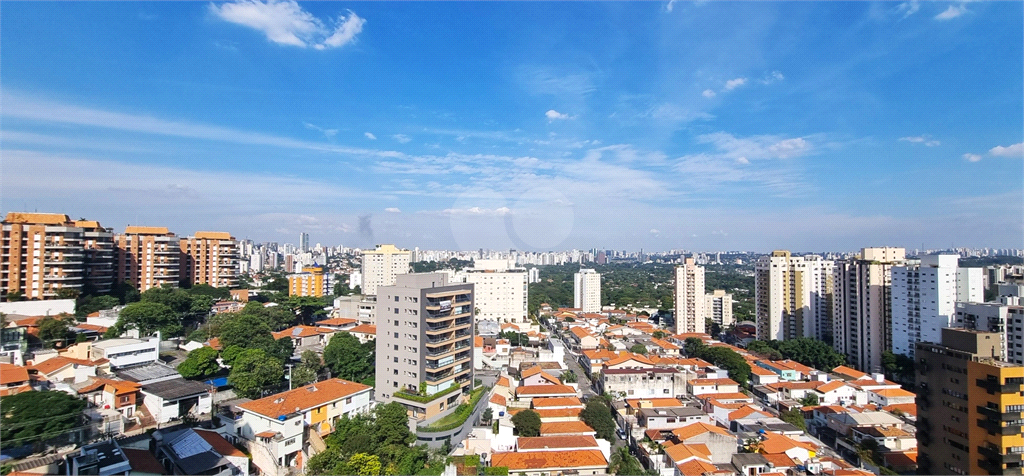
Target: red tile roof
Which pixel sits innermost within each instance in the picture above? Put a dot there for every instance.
(548, 442)
(10, 373)
(364, 329)
(143, 461)
(564, 427)
(550, 459)
(556, 402)
(304, 398)
(528, 390)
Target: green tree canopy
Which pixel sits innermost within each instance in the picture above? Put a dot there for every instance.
(30, 417)
(250, 332)
(795, 417)
(200, 363)
(148, 317)
(307, 370)
(391, 425)
(55, 330)
(638, 349)
(527, 423)
(348, 358)
(598, 416)
(625, 464)
(253, 371)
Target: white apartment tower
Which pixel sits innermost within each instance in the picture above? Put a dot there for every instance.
(793, 297)
(500, 288)
(689, 298)
(924, 297)
(303, 242)
(863, 306)
(1004, 319)
(381, 265)
(587, 290)
(718, 307)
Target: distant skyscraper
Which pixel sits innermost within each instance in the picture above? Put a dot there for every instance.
(793, 297)
(587, 290)
(924, 297)
(863, 306)
(690, 298)
(303, 242)
(381, 265)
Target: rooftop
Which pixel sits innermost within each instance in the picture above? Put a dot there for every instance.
(550, 459)
(565, 428)
(304, 398)
(145, 373)
(175, 389)
(566, 441)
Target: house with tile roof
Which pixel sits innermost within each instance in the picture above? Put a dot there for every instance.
(119, 395)
(775, 443)
(306, 336)
(566, 428)
(65, 370)
(680, 454)
(531, 463)
(364, 332)
(583, 338)
(891, 437)
(537, 376)
(891, 396)
(721, 443)
(13, 379)
(272, 428)
(525, 394)
(705, 386)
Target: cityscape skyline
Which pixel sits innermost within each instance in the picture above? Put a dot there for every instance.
(656, 126)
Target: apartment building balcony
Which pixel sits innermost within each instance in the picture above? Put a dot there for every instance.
(995, 427)
(437, 365)
(993, 386)
(997, 468)
(993, 455)
(444, 374)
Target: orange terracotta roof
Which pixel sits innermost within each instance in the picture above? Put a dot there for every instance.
(600, 354)
(793, 365)
(780, 460)
(564, 427)
(214, 343)
(550, 459)
(364, 329)
(758, 370)
(545, 390)
(120, 387)
(6, 392)
(91, 327)
(893, 392)
(745, 411)
(833, 385)
(503, 382)
(578, 331)
(548, 442)
(146, 230)
(530, 372)
(626, 358)
(37, 218)
(478, 341)
(692, 430)
(301, 331)
(304, 398)
(724, 396)
(266, 434)
(713, 381)
(664, 344)
(337, 321)
(498, 400)
(778, 443)
(848, 372)
(558, 412)
(556, 402)
(52, 365)
(683, 452)
(214, 235)
(696, 467)
(10, 373)
(218, 443)
(908, 408)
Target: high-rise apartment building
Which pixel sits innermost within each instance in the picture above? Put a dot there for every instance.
(970, 406)
(500, 290)
(303, 242)
(718, 307)
(1003, 319)
(793, 297)
(424, 343)
(924, 297)
(209, 257)
(586, 290)
(690, 297)
(310, 282)
(863, 306)
(381, 265)
(43, 254)
(98, 256)
(147, 257)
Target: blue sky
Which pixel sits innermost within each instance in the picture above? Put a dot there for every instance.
(534, 125)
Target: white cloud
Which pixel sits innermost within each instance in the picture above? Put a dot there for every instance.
(756, 147)
(326, 132)
(951, 12)
(370, 136)
(402, 138)
(654, 231)
(708, 93)
(392, 210)
(1015, 150)
(553, 115)
(734, 83)
(742, 160)
(476, 211)
(668, 8)
(972, 157)
(909, 8)
(287, 23)
(773, 77)
(922, 139)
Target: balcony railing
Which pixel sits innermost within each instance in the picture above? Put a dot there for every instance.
(993, 455)
(993, 386)
(995, 427)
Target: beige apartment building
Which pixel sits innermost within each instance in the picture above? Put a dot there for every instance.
(718, 307)
(424, 343)
(793, 297)
(209, 257)
(98, 256)
(500, 290)
(43, 253)
(690, 298)
(862, 306)
(381, 265)
(147, 257)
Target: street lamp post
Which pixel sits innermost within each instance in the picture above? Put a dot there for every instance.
(289, 375)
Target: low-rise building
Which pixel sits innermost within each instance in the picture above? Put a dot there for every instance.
(195, 451)
(127, 352)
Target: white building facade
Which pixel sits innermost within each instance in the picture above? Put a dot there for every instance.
(381, 265)
(587, 290)
(718, 307)
(690, 297)
(863, 306)
(924, 297)
(501, 290)
(793, 297)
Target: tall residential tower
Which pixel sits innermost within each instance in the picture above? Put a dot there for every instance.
(690, 300)
(587, 290)
(793, 297)
(863, 306)
(381, 265)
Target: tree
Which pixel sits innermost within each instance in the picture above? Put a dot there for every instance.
(200, 363)
(347, 358)
(810, 400)
(569, 377)
(363, 464)
(307, 370)
(638, 349)
(148, 317)
(249, 332)
(693, 346)
(624, 463)
(253, 370)
(526, 423)
(89, 304)
(37, 416)
(67, 293)
(598, 416)
(54, 330)
(207, 290)
(794, 417)
(391, 425)
(487, 416)
(659, 334)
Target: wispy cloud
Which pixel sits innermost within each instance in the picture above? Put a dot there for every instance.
(773, 77)
(1015, 150)
(972, 157)
(922, 139)
(370, 136)
(708, 93)
(401, 138)
(668, 7)
(553, 115)
(952, 12)
(325, 132)
(909, 8)
(287, 23)
(392, 210)
(734, 83)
